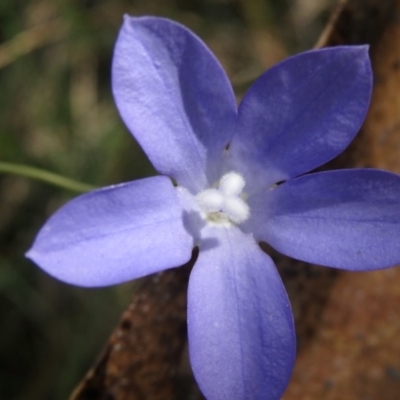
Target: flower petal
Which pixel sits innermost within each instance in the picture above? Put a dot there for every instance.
(240, 325)
(174, 97)
(302, 113)
(114, 234)
(347, 219)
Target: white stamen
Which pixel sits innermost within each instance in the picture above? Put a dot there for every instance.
(237, 210)
(226, 203)
(231, 184)
(210, 200)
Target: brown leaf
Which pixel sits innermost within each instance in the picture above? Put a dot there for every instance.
(354, 352)
(142, 356)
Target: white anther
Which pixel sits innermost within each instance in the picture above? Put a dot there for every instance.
(236, 209)
(225, 204)
(210, 200)
(231, 184)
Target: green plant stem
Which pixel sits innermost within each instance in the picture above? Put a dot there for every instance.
(45, 176)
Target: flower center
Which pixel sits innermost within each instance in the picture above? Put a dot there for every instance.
(225, 203)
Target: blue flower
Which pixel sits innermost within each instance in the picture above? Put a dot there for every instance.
(230, 178)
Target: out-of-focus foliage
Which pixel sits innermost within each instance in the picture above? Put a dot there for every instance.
(57, 113)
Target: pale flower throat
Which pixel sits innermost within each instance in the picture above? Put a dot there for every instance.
(225, 203)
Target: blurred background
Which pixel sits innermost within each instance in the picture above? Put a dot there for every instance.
(57, 113)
